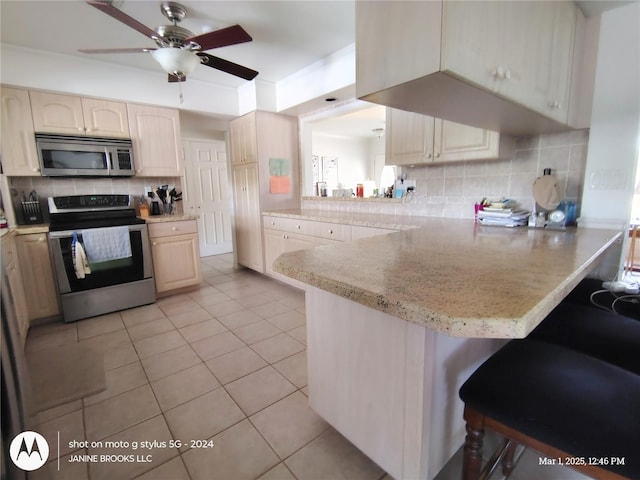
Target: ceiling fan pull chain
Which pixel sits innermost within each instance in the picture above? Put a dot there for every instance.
(180, 90)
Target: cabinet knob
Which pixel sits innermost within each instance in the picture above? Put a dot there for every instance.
(554, 104)
(273, 223)
(174, 228)
(298, 227)
(42, 239)
(438, 155)
(501, 73)
(154, 243)
(330, 232)
(81, 129)
(429, 155)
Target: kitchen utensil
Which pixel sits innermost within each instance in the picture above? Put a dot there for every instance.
(546, 193)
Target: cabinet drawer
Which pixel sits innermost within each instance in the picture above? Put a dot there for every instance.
(276, 223)
(165, 229)
(333, 231)
(292, 225)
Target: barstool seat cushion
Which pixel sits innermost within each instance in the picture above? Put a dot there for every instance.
(561, 397)
(604, 335)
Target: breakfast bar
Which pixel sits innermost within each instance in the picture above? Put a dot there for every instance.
(397, 322)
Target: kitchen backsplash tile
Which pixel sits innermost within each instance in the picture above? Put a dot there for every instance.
(450, 190)
(53, 187)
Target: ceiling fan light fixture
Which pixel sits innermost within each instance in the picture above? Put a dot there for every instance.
(176, 61)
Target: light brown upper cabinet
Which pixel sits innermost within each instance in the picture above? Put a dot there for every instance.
(243, 140)
(416, 139)
(72, 115)
(512, 67)
(18, 146)
(157, 147)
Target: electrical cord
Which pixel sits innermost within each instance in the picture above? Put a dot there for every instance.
(634, 298)
(623, 298)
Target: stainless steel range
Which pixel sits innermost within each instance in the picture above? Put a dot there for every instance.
(101, 255)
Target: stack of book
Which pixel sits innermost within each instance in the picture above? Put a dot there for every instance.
(505, 213)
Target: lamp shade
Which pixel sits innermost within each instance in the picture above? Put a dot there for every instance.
(176, 61)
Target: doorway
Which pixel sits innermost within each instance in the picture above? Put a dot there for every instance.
(207, 194)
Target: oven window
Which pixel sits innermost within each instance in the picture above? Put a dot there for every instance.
(104, 274)
(73, 159)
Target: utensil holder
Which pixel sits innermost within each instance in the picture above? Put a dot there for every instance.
(31, 212)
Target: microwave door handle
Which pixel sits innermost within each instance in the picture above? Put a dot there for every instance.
(107, 157)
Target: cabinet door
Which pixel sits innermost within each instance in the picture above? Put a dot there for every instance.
(273, 247)
(105, 118)
(37, 276)
(472, 36)
(521, 50)
(454, 141)
(15, 285)
(155, 133)
(248, 224)
(411, 137)
(54, 113)
(243, 137)
(18, 146)
(295, 242)
(560, 54)
(176, 261)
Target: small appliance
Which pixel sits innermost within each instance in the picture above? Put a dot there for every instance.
(74, 156)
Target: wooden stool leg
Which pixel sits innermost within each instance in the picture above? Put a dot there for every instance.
(472, 459)
(507, 460)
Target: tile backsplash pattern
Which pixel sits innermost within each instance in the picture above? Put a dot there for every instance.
(55, 187)
(450, 190)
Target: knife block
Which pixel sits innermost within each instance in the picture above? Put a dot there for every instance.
(31, 212)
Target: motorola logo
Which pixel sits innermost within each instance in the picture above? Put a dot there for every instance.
(29, 450)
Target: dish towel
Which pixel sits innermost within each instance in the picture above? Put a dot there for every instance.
(80, 263)
(104, 244)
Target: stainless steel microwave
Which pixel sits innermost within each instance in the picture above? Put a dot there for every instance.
(71, 156)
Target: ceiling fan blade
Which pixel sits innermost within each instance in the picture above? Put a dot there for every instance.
(221, 38)
(116, 50)
(123, 17)
(227, 66)
(175, 78)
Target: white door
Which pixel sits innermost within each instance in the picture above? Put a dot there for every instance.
(207, 194)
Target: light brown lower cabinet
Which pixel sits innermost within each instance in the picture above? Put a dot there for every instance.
(175, 253)
(14, 286)
(37, 276)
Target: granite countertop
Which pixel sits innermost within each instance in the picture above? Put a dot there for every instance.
(453, 275)
(394, 222)
(168, 218)
(28, 229)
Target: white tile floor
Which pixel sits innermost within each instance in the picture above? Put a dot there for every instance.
(226, 362)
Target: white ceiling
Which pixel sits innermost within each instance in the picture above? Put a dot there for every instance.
(287, 35)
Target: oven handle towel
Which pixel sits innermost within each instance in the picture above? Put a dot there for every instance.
(104, 244)
(80, 263)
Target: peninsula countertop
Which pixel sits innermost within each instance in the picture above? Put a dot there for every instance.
(453, 275)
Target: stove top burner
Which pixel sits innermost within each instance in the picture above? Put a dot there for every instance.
(77, 212)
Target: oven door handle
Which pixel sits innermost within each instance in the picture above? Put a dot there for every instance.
(69, 233)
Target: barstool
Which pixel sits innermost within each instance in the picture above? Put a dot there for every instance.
(572, 408)
(596, 332)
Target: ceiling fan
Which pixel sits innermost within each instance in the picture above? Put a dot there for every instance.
(178, 50)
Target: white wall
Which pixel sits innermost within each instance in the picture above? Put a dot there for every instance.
(355, 164)
(615, 124)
